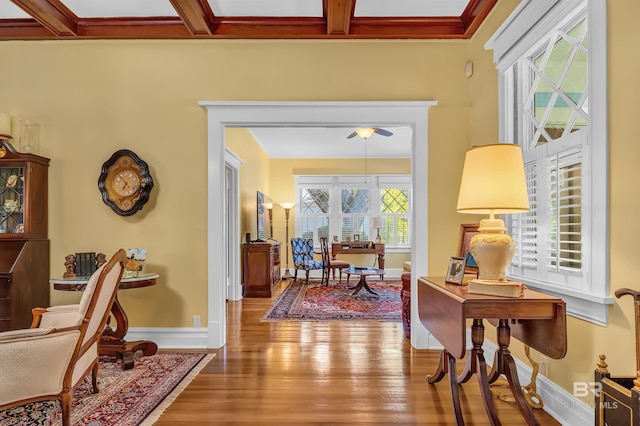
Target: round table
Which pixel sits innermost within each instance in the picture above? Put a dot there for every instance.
(364, 273)
(112, 342)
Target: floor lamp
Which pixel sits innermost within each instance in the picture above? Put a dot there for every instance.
(287, 208)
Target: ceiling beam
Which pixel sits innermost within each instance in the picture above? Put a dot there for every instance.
(338, 14)
(196, 14)
(407, 28)
(474, 14)
(52, 14)
(462, 27)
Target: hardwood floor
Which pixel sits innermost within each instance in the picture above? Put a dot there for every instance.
(316, 373)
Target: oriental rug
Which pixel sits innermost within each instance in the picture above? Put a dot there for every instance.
(126, 397)
(317, 302)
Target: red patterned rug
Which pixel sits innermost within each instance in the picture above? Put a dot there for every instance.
(316, 302)
(126, 398)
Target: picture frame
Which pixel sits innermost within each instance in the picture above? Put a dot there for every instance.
(335, 239)
(455, 271)
(19, 229)
(356, 237)
(467, 232)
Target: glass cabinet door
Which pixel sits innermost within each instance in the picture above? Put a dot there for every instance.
(11, 200)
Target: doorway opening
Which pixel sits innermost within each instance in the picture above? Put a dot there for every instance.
(222, 115)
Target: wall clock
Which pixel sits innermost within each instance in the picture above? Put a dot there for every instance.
(125, 182)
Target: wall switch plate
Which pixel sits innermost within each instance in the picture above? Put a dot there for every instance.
(196, 321)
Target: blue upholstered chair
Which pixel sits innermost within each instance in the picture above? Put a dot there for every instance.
(302, 253)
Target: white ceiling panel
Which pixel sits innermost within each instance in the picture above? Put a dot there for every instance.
(9, 10)
(120, 8)
(410, 7)
(272, 8)
(331, 142)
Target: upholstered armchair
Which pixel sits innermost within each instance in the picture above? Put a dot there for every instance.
(302, 253)
(48, 360)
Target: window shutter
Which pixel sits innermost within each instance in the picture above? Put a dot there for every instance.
(524, 226)
(564, 250)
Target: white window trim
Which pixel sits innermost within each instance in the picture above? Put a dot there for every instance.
(373, 183)
(531, 21)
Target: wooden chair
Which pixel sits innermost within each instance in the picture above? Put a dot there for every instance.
(48, 360)
(331, 265)
(302, 253)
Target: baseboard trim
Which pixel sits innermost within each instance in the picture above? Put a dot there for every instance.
(558, 403)
(171, 338)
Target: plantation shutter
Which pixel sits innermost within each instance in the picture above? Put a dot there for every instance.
(524, 226)
(564, 174)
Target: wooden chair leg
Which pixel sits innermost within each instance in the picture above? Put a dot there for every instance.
(295, 275)
(94, 378)
(307, 271)
(65, 403)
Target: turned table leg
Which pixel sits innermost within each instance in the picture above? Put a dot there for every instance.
(447, 364)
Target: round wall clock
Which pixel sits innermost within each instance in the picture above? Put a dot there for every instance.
(125, 182)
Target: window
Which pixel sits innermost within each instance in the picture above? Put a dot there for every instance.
(549, 76)
(315, 209)
(346, 205)
(394, 211)
(354, 213)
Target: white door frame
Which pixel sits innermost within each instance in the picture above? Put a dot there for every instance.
(233, 276)
(223, 114)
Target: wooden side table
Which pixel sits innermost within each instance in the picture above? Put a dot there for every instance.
(536, 319)
(112, 342)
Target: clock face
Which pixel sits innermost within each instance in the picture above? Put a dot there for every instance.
(126, 183)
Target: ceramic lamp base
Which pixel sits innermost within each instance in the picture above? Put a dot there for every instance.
(493, 250)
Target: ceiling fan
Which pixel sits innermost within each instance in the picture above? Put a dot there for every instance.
(366, 132)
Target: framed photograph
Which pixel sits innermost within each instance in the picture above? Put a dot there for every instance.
(467, 232)
(335, 239)
(19, 228)
(455, 272)
(356, 237)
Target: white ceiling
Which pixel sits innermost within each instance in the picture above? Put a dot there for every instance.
(266, 8)
(331, 142)
(277, 8)
(410, 7)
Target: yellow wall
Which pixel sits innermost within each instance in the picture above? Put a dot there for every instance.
(254, 176)
(586, 340)
(95, 97)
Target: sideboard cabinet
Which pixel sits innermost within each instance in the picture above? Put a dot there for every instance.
(24, 247)
(261, 268)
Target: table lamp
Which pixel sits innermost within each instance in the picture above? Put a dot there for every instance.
(493, 182)
(376, 223)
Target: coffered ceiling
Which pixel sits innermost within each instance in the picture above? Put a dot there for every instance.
(241, 19)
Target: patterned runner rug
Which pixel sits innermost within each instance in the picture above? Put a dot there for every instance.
(126, 398)
(316, 302)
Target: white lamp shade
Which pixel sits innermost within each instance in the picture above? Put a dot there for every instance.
(493, 181)
(287, 206)
(376, 222)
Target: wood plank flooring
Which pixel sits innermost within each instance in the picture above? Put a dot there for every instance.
(322, 373)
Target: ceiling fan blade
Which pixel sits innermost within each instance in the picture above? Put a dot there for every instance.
(382, 132)
(352, 135)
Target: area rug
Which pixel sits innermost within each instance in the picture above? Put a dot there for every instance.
(126, 397)
(317, 302)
